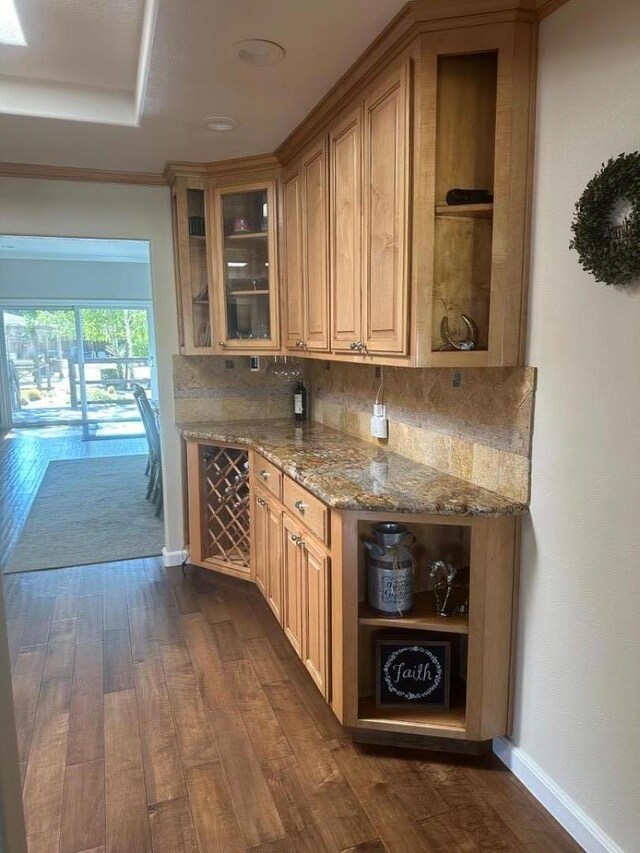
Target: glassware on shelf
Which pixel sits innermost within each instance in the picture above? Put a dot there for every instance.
(245, 249)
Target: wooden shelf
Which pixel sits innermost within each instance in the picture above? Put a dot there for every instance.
(199, 301)
(198, 238)
(464, 210)
(423, 617)
(439, 722)
(248, 292)
(248, 235)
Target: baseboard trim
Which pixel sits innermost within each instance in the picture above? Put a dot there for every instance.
(173, 558)
(567, 812)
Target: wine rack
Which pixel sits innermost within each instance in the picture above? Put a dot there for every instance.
(225, 494)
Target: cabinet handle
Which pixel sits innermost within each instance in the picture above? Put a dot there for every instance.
(264, 474)
(294, 538)
(299, 344)
(300, 542)
(353, 345)
(262, 502)
(300, 506)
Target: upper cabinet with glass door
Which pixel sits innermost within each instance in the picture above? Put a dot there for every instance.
(190, 230)
(244, 260)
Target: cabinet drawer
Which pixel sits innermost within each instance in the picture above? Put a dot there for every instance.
(304, 506)
(267, 475)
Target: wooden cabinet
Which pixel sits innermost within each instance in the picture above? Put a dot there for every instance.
(386, 233)
(306, 248)
(226, 252)
(319, 595)
(267, 549)
(292, 613)
(315, 598)
(293, 301)
(245, 265)
(219, 507)
(345, 147)
(315, 247)
(193, 283)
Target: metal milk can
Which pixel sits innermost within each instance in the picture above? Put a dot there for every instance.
(391, 569)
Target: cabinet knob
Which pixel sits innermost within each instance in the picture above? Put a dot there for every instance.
(262, 502)
(354, 345)
(300, 506)
(299, 344)
(264, 474)
(294, 538)
(222, 344)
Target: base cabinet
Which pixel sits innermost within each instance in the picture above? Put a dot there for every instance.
(318, 593)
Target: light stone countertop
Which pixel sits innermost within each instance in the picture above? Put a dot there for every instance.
(350, 474)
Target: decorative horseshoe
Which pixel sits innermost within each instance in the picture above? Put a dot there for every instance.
(472, 332)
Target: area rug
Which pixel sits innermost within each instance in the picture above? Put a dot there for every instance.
(88, 511)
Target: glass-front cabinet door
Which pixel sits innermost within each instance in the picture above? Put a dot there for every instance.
(245, 260)
(190, 242)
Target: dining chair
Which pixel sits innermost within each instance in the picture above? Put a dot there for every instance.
(154, 460)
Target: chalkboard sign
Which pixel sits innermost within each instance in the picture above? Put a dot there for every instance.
(412, 672)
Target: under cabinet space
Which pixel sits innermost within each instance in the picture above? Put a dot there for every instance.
(447, 542)
(465, 161)
(375, 712)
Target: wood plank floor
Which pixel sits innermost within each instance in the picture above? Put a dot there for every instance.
(169, 714)
(24, 456)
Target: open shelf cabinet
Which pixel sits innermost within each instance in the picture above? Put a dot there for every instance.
(480, 641)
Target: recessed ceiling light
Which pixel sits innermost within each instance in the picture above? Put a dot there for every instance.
(220, 124)
(258, 52)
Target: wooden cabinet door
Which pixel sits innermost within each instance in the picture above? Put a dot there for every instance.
(315, 244)
(260, 553)
(386, 199)
(273, 531)
(292, 578)
(345, 148)
(292, 251)
(315, 597)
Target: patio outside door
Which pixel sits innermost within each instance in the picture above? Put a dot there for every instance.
(73, 365)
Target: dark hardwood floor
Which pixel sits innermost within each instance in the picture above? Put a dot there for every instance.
(158, 713)
(24, 456)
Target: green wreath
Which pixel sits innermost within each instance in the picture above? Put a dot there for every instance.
(610, 251)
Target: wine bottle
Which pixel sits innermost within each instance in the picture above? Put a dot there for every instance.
(300, 402)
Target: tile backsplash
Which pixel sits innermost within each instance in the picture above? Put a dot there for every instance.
(473, 423)
(212, 388)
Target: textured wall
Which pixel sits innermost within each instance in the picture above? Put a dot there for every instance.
(578, 684)
(473, 423)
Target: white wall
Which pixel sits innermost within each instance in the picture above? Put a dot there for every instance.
(578, 687)
(30, 279)
(69, 209)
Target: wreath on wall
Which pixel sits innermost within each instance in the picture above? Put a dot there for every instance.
(606, 226)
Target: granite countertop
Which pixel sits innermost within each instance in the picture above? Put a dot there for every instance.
(348, 473)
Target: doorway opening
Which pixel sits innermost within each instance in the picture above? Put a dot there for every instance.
(81, 484)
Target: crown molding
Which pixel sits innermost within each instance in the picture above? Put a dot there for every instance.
(72, 173)
(235, 166)
(546, 7)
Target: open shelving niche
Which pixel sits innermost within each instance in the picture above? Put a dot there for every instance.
(450, 542)
(465, 155)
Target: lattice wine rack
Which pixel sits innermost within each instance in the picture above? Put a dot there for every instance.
(225, 484)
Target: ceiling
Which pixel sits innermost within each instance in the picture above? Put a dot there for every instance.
(83, 70)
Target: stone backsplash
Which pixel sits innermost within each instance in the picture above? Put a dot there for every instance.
(474, 423)
(213, 389)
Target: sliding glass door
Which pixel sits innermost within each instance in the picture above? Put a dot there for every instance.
(76, 365)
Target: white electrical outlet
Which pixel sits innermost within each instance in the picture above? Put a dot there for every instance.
(379, 422)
